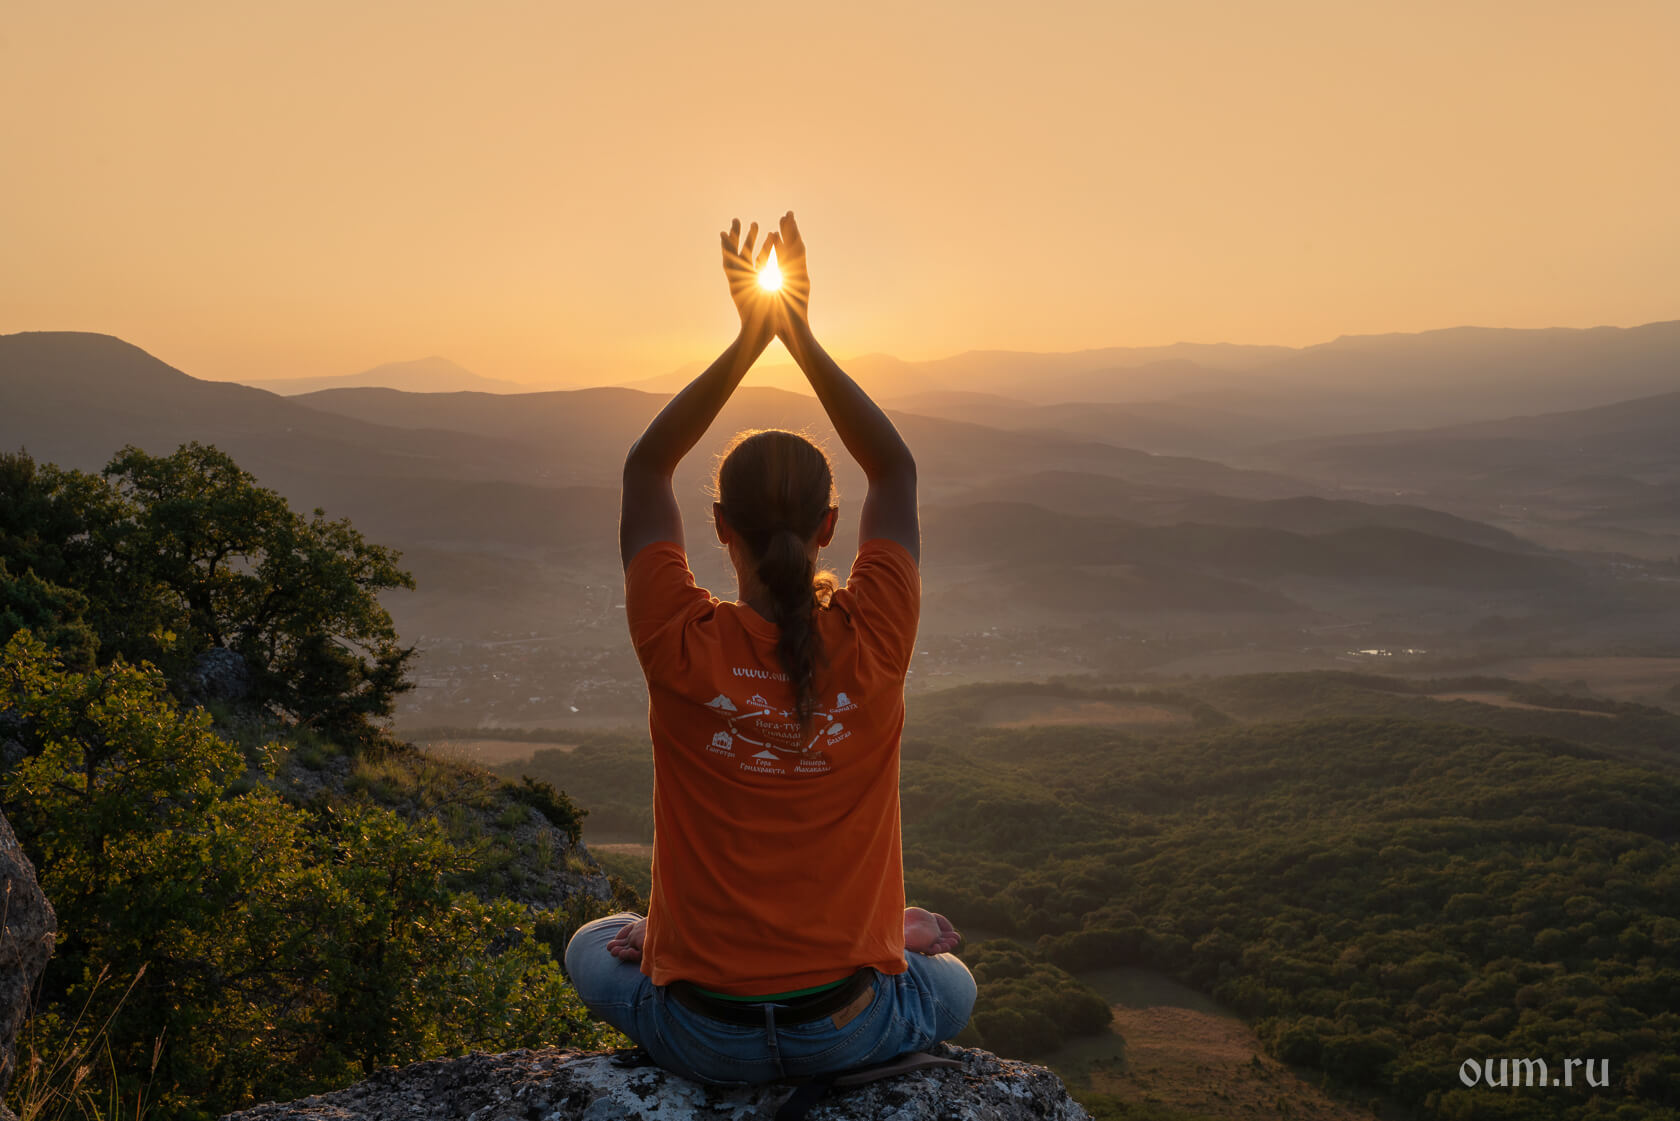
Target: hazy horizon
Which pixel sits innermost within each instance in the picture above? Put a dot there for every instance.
(776, 367)
(535, 194)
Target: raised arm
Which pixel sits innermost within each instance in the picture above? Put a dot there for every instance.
(889, 509)
(648, 511)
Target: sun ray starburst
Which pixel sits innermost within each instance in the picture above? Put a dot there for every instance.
(770, 276)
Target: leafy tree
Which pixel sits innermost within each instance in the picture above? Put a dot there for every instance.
(1027, 1006)
(162, 558)
(285, 950)
(65, 529)
(296, 597)
(48, 610)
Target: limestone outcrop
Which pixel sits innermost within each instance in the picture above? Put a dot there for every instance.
(26, 942)
(627, 1086)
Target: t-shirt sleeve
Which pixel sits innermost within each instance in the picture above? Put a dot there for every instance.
(884, 595)
(661, 600)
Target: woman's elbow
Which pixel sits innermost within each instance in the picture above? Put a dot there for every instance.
(638, 463)
(900, 468)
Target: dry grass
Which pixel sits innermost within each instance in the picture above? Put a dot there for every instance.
(626, 849)
(490, 753)
(74, 1077)
(1183, 1051)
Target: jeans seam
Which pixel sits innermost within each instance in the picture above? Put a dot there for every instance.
(944, 1012)
(704, 1046)
(864, 1019)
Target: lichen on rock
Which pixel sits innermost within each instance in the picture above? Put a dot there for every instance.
(27, 930)
(627, 1086)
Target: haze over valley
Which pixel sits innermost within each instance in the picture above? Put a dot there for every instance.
(1408, 503)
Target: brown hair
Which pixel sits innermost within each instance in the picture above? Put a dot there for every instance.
(773, 488)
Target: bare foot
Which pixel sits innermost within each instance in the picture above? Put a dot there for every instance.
(928, 933)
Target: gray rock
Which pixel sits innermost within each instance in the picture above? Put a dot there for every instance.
(11, 742)
(26, 942)
(626, 1086)
(557, 883)
(219, 675)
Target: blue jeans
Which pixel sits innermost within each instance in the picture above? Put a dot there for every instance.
(910, 1011)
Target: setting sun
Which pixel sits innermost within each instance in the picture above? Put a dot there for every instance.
(770, 276)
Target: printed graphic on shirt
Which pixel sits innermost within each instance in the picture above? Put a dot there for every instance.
(766, 740)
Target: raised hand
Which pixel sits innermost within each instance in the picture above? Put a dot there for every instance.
(755, 305)
(796, 281)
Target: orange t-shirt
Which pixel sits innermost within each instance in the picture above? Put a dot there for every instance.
(774, 869)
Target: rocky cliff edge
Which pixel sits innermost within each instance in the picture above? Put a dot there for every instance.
(627, 1086)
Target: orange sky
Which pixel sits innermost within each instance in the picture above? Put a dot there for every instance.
(534, 189)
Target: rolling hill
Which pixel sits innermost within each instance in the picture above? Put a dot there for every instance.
(1041, 526)
(75, 399)
(1077, 493)
(422, 375)
(588, 430)
(1630, 442)
(1350, 384)
(1019, 534)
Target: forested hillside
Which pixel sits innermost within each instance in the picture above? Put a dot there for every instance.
(1382, 895)
(260, 893)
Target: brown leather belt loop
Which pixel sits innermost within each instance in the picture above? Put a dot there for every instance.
(796, 1010)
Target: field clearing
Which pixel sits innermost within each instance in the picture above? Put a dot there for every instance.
(631, 862)
(1029, 711)
(1621, 679)
(1183, 1051)
(628, 848)
(1499, 701)
(490, 753)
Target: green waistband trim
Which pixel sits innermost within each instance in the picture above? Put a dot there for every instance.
(777, 996)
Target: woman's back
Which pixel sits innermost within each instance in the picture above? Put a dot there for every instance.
(776, 942)
(777, 863)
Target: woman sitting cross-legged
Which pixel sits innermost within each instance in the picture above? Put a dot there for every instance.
(776, 943)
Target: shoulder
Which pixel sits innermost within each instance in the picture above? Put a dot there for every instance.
(882, 599)
(882, 558)
(654, 554)
(660, 593)
(884, 550)
(660, 566)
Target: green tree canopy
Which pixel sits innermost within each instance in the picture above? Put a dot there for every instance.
(284, 949)
(162, 558)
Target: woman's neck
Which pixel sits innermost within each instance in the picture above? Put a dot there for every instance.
(757, 598)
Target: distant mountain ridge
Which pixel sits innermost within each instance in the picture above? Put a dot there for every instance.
(1028, 536)
(1072, 492)
(1629, 438)
(422, 375)
(75, 398)
(507, 503)
(1543, 364)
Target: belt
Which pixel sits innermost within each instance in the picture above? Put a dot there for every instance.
(795, 1010)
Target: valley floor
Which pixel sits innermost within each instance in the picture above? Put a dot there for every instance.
(1178, 1049)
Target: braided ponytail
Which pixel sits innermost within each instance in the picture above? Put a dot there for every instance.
(774, 488)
